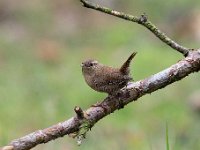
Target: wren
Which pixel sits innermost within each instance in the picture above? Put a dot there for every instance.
(106, 79)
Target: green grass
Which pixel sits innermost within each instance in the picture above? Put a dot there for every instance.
(167, 137)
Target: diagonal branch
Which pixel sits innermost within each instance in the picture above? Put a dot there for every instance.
(128, 94)
(143, 20)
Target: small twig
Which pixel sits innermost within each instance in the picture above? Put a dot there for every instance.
(79, 112)
(140, 20)
(83, 128)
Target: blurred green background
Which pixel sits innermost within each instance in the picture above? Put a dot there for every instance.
(43, 42)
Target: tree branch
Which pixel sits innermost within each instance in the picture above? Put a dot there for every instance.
(143, 20)
(128, 94)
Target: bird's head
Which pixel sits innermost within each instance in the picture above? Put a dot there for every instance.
(89, 66)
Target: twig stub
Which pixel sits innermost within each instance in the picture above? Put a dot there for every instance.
(79, 112)
(143, 18)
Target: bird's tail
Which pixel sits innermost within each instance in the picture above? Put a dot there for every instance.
(125, 67)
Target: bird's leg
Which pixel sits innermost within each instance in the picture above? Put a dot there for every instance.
(120, 100)
(121, 104)
(103, 103)
(116, 95)
(98, 104)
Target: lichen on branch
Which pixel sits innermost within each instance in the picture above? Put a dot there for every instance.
(143, 20)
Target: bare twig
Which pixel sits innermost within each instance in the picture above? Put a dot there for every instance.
(128, 94)
(143, 20)
(79, 112)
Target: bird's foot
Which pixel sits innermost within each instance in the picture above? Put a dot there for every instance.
(101, 104)
(120, 104)
(98, 104)
(120, 100)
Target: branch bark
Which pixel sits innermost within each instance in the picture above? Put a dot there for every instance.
(134, 90)
(143, 20)
(128, 94)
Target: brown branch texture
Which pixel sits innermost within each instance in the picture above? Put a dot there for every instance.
(84, 120)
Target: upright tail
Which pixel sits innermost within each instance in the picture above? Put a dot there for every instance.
(125, 67)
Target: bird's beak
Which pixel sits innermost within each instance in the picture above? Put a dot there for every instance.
(82, 64)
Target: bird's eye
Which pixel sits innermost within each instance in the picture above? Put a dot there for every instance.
(91, 64)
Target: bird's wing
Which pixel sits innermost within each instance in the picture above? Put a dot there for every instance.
(112, 77)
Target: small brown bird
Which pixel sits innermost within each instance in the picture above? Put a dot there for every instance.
(104, 78)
